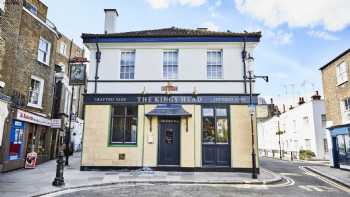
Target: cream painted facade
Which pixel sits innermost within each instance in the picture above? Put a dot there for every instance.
(97, 151)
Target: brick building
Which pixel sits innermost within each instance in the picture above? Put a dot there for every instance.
(28, 56)
(336, 86)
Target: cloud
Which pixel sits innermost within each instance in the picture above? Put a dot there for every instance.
(163, 4)
(322, 35)
(159, 4)
(213, 8)
(333, 15)
(192, 3)
(211, 26)
(278, 37)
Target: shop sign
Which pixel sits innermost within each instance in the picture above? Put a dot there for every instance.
(16, 140)
(56, 123)
(32, 118)
(77, 74)
(262, 111)
(167, 99)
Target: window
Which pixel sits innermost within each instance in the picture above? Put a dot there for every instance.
(63, 49)
(324, 120)
(44, 51)
(347, 104)
(342, 75)
(67, 99)
(214, 64)
(124, 124)
(2, 5)
(127, 65)
(305, 120)
(307, 144)
(170, 64)
(325, 145)
(33, 9)
(215, 126)
(36, 92)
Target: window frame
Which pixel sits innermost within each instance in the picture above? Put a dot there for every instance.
(47, 53)
(341, 73)
(122, 75)
(168, 64)
(125, 116)
(216, 118)
(41, 93)
(220, 65)
(63, 49)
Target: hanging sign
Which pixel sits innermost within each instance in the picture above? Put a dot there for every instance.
(77, 74)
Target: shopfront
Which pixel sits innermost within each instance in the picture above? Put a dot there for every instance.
(198, 132)
(341, 146)
(28, 132)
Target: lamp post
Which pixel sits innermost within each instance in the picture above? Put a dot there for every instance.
(249, 60)
(279, 133)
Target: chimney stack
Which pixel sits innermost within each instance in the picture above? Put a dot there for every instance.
(110, 21)
(301, 100)
(316, 96)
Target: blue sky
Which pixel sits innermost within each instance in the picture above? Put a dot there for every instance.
(298, 36)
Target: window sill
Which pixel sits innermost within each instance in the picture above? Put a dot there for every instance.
(43, 63)
(122, 145)
(34, 106)
(339, 84)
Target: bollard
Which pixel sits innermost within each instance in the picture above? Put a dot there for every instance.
(59, 179)
(291, 156)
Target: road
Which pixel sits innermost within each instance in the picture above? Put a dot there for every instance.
(298, 184)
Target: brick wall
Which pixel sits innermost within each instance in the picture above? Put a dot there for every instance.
(335, 94)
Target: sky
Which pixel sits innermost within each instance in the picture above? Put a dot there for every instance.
(299, 36)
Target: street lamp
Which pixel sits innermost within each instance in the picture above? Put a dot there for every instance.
(279, 133)
(249, 60)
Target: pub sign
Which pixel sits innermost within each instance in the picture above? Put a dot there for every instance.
(77, 74)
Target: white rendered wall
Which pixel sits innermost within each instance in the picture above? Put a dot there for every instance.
(296, 131)
(192, 65)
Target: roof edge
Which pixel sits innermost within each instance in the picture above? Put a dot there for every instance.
(335, 59)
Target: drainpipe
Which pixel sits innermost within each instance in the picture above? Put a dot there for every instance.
(244, 54)
(98, 60)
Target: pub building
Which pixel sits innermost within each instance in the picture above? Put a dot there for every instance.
(172, 98)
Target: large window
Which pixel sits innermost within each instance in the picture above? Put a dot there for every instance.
(2, 5)
(342, 73)
(124, 124)
(170, 64)
(214, 64)
(36, 91)
(127, 65)
(44, 51)
(347, 104)
(215, 126)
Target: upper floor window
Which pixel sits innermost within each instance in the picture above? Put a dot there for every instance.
(124, 124)
(214, 64)
(36, 90)
(44, 51)
(347, 104)
(63, 49)
(2, 5)
(342, 73)
(127, 65)
(170, 64)
(32, 8)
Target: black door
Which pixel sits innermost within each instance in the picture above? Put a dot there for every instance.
(215, 137)
(169, 142)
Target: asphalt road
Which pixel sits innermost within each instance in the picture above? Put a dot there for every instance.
(298, 184)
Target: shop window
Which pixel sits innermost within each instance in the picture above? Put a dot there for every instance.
(325, 145)
(124, 124)
(42, 143)
(214, 64)
(341, 145)
(127, 65)
(170, 64)
(16, 140)
(215, 126)
(36, 92)
(342, 73)
(44, 51)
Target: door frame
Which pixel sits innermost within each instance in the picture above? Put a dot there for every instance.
(159, 132)
(228, 108)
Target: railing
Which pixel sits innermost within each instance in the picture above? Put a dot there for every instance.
(34, 11)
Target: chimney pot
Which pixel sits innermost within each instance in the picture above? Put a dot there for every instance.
(111, 16)
(316, 96)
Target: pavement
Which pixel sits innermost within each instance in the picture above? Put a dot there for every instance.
(298, 182)
(337, 175)
(38, 181)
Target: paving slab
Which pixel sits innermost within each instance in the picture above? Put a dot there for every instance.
(338, 175)
(34, 182)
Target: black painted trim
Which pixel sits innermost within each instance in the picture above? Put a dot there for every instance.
(166, 168)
